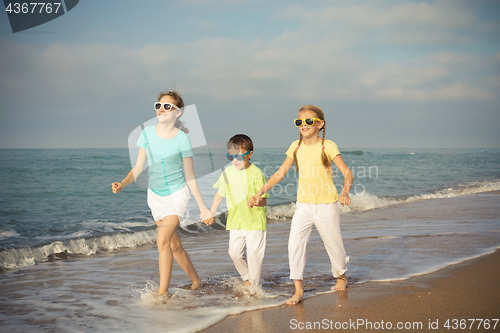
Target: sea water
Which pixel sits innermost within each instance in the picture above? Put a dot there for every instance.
(75, 257)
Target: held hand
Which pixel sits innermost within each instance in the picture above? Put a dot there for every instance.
(209, 222)
(116, 187)
(253, 201)
(206, 215)
(344, 199)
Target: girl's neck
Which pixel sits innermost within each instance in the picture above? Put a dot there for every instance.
(311, 141)
(166, 130)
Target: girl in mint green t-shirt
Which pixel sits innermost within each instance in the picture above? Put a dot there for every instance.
(167, 148)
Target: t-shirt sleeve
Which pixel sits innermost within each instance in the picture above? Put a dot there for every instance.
(187, 149)
(142, 139)
(221, 185)
(333, 150)
(259, 182)
(290, 150)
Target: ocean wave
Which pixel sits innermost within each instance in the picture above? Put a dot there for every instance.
(6, 233)
(366, 201)
(78, 234)
(27, 256)
(353, 152)
(281, 212)
(121, 225)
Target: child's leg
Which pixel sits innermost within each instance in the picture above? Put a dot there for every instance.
(166, 228)
(300, 231)
(328, 225)
(299, 293)
(256, 247)
(237, 252)
(341, 283)
(182, 258)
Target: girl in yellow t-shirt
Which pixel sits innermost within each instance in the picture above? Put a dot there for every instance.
(318, 202)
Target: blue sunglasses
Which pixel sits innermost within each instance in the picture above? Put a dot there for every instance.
(239, 157)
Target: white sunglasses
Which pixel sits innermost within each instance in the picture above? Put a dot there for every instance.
(166, 106)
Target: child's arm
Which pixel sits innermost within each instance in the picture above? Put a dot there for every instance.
(213, 210)
(348, 180)
(216, 203)
(262, 202)
(193, 186)
(275, 179)
(133, 174)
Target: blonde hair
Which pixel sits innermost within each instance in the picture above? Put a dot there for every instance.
(179, 103)
(320, 115)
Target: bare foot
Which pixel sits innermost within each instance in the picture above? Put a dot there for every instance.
(248, 284)
(341, 283)
(296, 299)
(196, 285)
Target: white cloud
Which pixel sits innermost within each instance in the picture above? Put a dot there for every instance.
(390, 22)
(327, 56)
(442, 14)
(401, 76)
(90, 75)
(423, 37)
(447, 58)
(460, 90)
(489, 27)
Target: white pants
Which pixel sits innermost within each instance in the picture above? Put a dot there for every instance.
(326, 217)
(249, 266)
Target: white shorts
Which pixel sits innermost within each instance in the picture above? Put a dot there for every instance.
(173, 204)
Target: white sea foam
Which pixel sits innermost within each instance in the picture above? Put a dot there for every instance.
(6, 233)
(228, 297)
(366, 201)
(115, 225)
(115, 294)
(27, 256)
(76, 244)
(78, 234)
(280, 212)
(438, 267)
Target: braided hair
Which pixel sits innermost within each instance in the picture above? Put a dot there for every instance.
(179, 103)
(319, 114)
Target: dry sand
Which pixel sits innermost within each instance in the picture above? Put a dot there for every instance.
(465, 291)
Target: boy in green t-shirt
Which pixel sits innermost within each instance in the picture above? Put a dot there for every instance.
(238, 183)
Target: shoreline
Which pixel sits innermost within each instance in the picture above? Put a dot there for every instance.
(464, 291)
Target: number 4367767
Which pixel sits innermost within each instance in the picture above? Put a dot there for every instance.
(471, 324)
(33, 7)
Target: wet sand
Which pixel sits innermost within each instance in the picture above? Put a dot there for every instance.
(424, 303)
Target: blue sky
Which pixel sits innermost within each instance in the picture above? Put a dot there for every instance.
(388, 74)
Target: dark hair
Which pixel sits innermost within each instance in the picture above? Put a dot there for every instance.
(242, 141)
(320, 115)
(179, 103)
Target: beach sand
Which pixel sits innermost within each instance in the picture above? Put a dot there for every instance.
(468, 290)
